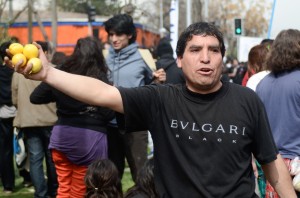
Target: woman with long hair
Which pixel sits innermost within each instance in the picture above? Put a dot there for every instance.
(79, 136)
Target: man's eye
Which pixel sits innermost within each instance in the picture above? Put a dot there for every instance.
(216, 50)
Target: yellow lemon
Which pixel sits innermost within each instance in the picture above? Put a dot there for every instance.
(17, 57)
(36, 65)
(15, 48)
(30, 51)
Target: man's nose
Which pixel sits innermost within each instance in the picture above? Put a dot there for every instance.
(204, 56)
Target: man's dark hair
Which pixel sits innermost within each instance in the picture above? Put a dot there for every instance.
(121, 24)
(144, 185)
(200, 28)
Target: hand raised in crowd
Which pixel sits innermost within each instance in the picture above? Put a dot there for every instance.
(159, 76)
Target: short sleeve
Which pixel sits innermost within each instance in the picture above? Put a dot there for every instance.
(140, 106)
(264, 148)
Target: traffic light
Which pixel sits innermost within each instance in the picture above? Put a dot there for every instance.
(238, 26)
(91, 13)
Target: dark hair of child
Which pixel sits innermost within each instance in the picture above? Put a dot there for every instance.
(102, 180)
(144, 186)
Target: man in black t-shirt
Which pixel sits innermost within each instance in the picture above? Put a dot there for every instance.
(204, 132)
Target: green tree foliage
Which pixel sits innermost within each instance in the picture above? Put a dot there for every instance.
(6, 21)
(102, 8)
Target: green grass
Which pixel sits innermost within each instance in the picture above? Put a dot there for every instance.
(21, 192)
(127, 181)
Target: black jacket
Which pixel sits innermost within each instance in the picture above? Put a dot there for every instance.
(5, 85)
(174, 74)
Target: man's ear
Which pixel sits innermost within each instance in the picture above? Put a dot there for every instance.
(178, 61)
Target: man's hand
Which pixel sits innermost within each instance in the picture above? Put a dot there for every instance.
(159, 76)
(26, 70)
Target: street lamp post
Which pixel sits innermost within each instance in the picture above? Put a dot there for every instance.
(188, 13)
(54, 25)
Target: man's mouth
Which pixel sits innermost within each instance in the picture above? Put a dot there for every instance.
(205, 71)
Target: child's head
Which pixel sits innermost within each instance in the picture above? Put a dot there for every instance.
(102, 180)
(144, 182)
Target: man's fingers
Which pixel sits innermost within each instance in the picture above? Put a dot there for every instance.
(7, 62)
(8, 53)
(28, 69)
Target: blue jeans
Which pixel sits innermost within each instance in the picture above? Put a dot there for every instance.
(38, 141)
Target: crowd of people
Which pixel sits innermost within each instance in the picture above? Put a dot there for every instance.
(212, 136)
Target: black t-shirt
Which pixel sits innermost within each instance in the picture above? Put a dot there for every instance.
(202, 143)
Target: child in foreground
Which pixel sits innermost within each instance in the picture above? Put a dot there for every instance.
(102, 180)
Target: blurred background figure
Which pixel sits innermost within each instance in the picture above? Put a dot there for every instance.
(225, 77)
(256, 64)
(46, 48)
(7, 114)
(102, 180)
(58, 58)
(36, 122)
(251, 69)
(237, 71)
(232, 65)
(128, 69)
(280, 93)
(166, 61)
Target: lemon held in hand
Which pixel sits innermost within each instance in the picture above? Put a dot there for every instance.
(15, 48)
(30, 51)
(17, 57)
(36, 65)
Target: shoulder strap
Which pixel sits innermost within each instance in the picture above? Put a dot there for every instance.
(147, 56)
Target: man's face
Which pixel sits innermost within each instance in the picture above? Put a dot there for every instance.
(201, 64)
(118, 41)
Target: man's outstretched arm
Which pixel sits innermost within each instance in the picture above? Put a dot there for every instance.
(86, 89)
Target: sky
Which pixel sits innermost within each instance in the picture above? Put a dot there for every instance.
(286, 15)
(17, 4)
